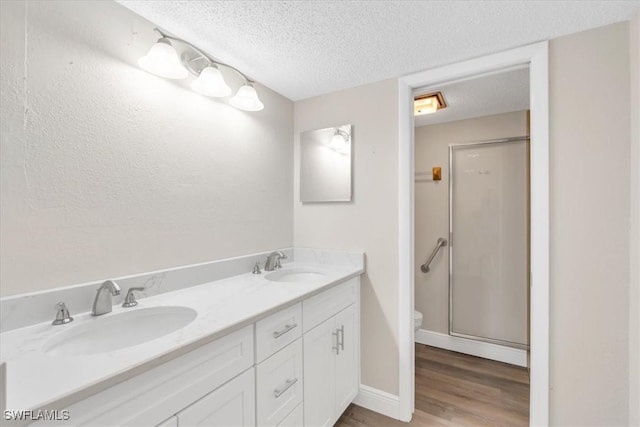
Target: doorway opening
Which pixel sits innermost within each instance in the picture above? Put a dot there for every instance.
(533, 58)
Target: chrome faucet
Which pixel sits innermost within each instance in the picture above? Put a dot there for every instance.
(102, 304)
(273, 260)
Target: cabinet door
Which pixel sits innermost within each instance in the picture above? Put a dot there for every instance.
(231, 405)
(347, 358)
(169, 422)
(319, 375)
(294, 419)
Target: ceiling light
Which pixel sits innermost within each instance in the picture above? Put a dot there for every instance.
(211, 83)
(427, 104)
(163, 61)
(247, 99)
(340, 142)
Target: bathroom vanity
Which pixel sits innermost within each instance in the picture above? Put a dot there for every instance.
(280, 348)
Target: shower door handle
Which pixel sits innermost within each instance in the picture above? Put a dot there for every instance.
(425, 268)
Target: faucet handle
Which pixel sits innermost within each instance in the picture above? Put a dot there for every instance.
(281, 256)
(130, 298)
(256, 268)
(62, 314)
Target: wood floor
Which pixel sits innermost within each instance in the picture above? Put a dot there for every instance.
(454, 389)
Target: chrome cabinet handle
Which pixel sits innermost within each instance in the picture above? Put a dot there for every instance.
(279, 391)
(286, 329)
(337, 346)
(341, 335)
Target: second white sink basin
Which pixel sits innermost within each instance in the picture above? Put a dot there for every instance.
(117, 331)
(295, 275)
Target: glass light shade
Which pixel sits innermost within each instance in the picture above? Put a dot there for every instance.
(163, 61)
(211, 83)
(247, 99)
(425, 106)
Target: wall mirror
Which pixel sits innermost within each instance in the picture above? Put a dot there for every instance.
(325, 164)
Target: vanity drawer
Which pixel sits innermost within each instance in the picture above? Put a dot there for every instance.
(277, 331)
(152, 396)
(319, 308)
(279, 385)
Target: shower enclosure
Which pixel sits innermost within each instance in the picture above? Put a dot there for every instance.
(489, 241)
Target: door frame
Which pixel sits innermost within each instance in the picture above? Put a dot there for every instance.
(536, 57)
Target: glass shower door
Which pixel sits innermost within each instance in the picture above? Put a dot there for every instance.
(489, 222)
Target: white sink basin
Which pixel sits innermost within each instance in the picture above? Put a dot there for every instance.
(295, 275)
(117, 331)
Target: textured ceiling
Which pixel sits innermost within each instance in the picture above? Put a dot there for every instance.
(306, 48)
(482, 96)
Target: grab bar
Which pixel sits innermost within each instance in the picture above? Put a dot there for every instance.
(439, 244)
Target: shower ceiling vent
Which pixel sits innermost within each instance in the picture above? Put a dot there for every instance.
(427, 104)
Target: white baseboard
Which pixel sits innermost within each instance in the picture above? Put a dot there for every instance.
(513, 356)
(378, 401)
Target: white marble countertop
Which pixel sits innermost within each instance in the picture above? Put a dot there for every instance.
(37, 380)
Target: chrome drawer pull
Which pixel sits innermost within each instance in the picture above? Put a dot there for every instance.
(286, 329)
(341, 342)
(279, 391)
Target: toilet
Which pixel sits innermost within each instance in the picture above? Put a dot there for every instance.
(417, 320)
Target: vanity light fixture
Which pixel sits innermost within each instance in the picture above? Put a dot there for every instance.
(247, 98)
(211, 83)
(428, 104)
(163, 60)
(341, 141)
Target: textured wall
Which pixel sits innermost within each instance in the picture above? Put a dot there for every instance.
(432, 204)
(370, 221)
(108, 170)
(589, 159)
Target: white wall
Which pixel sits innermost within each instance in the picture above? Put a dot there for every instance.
(432, 204)
(634, 254)
(109, 171)
(370, 221)
(589, 289)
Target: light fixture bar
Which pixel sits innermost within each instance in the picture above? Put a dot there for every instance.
(163, 60)
(203, 55)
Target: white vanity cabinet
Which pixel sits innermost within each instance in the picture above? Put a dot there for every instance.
(331, 354)
(297, 366)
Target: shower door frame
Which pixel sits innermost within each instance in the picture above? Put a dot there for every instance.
(471, 144)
